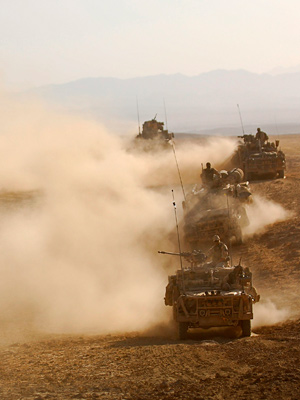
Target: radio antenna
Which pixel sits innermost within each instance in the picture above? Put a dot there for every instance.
(229, 244)
(174, 152)
(176, 221)
(182, 188)
(241, 119)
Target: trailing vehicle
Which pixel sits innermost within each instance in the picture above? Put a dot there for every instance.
(205, 296)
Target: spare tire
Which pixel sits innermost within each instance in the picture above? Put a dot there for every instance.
(237, 175)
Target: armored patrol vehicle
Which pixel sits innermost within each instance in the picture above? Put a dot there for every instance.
(153, 133)
(217, 209)
(259, 160)
(205, 296)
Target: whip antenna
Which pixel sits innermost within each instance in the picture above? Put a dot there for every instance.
(175, 212)
(241, 119)
(138, 114)
(229, 235)
(174, 152)
(181, 184)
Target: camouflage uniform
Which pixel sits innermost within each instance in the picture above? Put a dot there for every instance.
(219, 251)
(208, 173)
(261, 136)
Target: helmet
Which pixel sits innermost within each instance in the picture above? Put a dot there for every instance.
(208, 165)
(216, 238)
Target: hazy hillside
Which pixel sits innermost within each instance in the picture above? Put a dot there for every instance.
(194, 104)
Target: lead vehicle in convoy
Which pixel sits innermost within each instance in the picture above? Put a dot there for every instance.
(203, 296)
(154, 135)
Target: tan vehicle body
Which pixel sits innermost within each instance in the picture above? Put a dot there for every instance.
(226, 224)
(154, 130)
(205, 297)
(216, 210)
(259, 161)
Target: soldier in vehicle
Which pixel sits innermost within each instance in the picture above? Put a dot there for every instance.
(261, 136)
(209, 174)
(219, 252)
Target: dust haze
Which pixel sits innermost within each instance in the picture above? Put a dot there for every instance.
(267, 313)
(81, 254)
(262, 213)
(159, 167)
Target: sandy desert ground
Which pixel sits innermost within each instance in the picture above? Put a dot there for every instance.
(154, 365)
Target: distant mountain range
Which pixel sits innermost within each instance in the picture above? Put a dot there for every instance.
(197, 104)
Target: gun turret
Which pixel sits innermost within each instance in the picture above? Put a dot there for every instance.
(183, 254)
(245, 136)
(248, 138)
(195, 257)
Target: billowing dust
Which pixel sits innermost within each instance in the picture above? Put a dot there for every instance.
(262, 213)
(267, 313)
(159, 168)
(81, 255)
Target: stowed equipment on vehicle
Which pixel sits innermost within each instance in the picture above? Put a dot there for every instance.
(204, 295)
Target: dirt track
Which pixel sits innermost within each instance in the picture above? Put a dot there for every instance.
(211, 366)
(134, 367)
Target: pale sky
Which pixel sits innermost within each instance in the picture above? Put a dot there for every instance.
(56, 41)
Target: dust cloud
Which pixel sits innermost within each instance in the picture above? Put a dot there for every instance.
(80, 254)
(266, 313)
(159, 168)
(261, 213)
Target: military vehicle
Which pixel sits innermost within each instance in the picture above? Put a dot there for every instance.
(259, 160)
(217, 209)
(206, 296)
(153, 131)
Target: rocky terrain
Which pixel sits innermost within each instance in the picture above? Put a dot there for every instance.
(215, 364)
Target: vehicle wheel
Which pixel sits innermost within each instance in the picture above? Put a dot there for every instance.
(281, 174)
(246, 327)
(182, 330)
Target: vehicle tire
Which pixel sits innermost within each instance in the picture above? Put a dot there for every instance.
(182, 330)
(237, 174)
(246, 327)
(281, 174)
